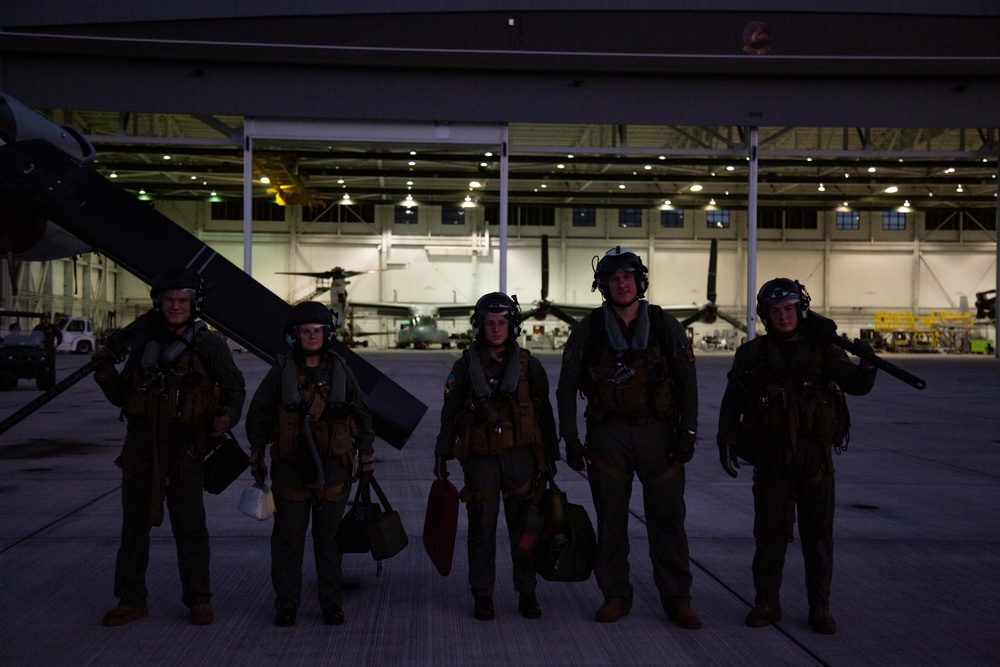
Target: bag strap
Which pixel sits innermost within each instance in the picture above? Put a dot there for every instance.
(363, 494)
(386, 507)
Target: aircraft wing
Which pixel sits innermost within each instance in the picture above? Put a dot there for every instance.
(400, 310)
(455, 310)
(144, 242)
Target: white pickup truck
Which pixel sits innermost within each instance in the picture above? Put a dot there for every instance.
(78, 335)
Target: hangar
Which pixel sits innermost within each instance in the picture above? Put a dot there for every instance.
(435, 145)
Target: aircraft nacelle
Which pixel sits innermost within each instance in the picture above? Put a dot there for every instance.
(24, 234)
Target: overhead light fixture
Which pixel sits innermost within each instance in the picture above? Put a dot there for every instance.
(648, 166)
(906, 203)
(340, 181)
(570, 156)
(666, 202)
(893, 189)
(483, 164)
(411, 163)
(560, 166)
(193, 177)
(871, 170)
(621, 186)
(544, 185)
(166, 157)
(213, 194)
(695, 188)
(809, 159)
(730, 168)
(413, 152)
(949, 170)
(821, 188)
(488, 153)
(265, 180)
(663, 157)
(113, 175)
(409, 182)
(959, 188)
(711, 202)
(845, 204)
(347, 197)
(475, 184)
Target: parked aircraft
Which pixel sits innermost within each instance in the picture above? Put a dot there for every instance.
(707, 312)
(419, 327)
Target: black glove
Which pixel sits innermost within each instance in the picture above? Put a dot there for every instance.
(820, 328)
(727, 457)
(366, 464)
(864, 351)
(258, 468)
(440, 467)
(575, 454)
(105, 357)
(685, 445)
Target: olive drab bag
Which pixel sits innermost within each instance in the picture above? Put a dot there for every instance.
(386, 534)
(351, 536)
(569, 554)
(225, 460)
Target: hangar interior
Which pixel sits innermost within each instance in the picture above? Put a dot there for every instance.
(885, 208)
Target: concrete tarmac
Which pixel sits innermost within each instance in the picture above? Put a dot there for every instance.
(917, 548)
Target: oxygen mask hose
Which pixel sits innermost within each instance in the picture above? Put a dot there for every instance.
(311, 444)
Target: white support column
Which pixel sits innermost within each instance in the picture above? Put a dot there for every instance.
(248, 197)
(504, 174)
(752, 239)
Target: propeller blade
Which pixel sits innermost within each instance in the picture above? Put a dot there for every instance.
(545, 267)
(713, 263)
(529, 314)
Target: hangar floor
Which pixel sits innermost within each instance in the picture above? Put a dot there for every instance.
(917, 544)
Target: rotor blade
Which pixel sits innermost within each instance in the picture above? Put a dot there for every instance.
(691, 319)
(565, 317)
(736, 322)
(529, 314)
(713, 263)
(545, 267)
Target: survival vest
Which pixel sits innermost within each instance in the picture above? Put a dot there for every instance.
(629, 385)
(780, 406)
(180, 392)
(500, 422)
(332, 420)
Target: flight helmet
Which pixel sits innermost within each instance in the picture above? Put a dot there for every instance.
(175, 278)
(309, 312)
(497, 302)
(782, 289)
(619, 258)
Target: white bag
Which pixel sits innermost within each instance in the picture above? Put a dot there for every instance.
(257, 502)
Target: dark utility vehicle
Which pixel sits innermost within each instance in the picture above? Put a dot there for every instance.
(22, 357)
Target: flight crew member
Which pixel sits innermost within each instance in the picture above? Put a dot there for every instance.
(782, 411)
(311, 409)
(53, 339)
(498, 422)
(176, 390)
(634, 364)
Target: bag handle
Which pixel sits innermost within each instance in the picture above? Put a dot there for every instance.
(386, 507)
